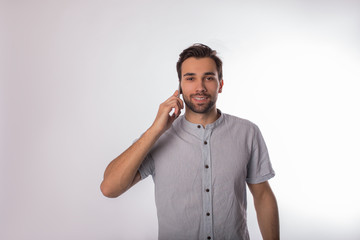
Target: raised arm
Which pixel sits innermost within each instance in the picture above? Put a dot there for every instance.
(266, 210)
(122, 172)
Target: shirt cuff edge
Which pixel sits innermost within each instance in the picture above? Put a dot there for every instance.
(260, 179)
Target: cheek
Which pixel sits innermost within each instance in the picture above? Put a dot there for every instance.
(185, 88)
(213, 87)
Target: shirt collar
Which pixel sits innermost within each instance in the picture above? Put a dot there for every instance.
(194, 128)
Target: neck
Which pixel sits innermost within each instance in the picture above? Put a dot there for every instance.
(201, 118)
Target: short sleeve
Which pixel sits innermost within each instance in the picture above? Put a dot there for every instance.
(147, 167)
(259, 167)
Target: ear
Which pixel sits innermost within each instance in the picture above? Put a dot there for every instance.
(221, 86)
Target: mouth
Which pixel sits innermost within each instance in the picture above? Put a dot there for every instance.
(200, 99)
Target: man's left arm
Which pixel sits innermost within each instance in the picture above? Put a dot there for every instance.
(266, 210)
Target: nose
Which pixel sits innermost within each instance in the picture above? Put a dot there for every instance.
(200, 86)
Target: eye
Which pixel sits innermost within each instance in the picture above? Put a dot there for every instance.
(209, 78)
(190, 78)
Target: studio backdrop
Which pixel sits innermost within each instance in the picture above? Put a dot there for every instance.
(81, 80)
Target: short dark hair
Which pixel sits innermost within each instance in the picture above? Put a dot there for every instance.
(199, 50)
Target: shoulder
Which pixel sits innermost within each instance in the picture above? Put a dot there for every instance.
(172, 132)
(237, 122)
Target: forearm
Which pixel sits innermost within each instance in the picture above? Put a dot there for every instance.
(120, 173)
(268, 216)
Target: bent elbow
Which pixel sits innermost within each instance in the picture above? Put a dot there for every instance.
(108, 192)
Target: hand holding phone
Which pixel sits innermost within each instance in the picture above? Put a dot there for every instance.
(168, 112)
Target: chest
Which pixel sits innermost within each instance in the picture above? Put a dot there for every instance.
(182, 164)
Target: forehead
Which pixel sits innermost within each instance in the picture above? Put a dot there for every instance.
(198, 65)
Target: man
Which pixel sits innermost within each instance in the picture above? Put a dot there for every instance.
(200, 162)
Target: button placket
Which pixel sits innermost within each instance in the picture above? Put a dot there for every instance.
(207, 198)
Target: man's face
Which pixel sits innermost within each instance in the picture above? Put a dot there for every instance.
(200, 84)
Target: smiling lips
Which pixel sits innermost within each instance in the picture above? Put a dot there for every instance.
(200, 98)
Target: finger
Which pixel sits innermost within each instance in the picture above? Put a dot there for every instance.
(177, 109)
(174, 104)
(172, 118)
(181, 103)
(171, 102)
(172, 96)
(177, 104)
(176, 113)
(176, 93)
(173, 107)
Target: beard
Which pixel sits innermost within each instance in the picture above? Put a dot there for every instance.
(199, 108)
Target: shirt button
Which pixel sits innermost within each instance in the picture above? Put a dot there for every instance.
(205, 142)
(207, 190)
(206, 166)
(208, 237)
(207, 214)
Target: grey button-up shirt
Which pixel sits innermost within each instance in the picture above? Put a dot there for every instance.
(200, 177)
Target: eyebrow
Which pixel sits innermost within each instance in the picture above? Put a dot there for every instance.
(193, 74)
(188, 74)
(209, 73)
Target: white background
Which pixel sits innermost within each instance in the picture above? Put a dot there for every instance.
(80, 80)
